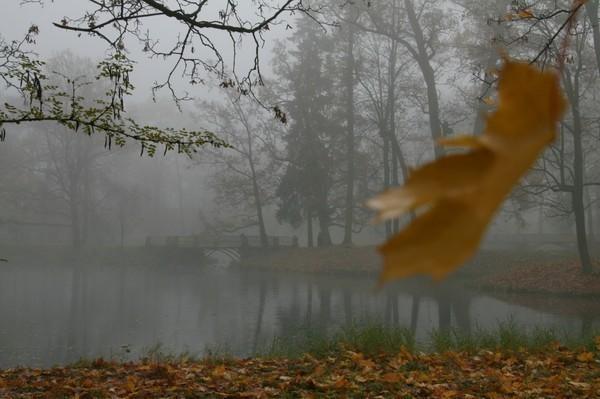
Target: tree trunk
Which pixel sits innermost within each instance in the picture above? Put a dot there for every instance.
(86, 205)
(262, 230)
(386, 178)
(590, 217)
(577, 194)
(428, 76)
(310, 242)
(582, 244)
(324, 238)
(350, 139)
(391, 125)
(264, 239)
(395, 183)
(180, 197)
(591, 8)
(75, 222)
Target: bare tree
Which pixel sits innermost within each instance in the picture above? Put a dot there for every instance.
(418, 32)
(243, 176)
(566, 167)
(200, 27)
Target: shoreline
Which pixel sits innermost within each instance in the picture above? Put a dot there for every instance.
(489, 271)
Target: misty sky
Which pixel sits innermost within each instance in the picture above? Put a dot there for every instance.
(16, 18)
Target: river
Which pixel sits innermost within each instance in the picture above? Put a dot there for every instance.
(54, 315)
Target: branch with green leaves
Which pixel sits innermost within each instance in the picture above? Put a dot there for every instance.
(51, 97)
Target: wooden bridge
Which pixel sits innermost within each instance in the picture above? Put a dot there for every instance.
(234, 246)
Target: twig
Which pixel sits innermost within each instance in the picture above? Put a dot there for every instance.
(568, 24)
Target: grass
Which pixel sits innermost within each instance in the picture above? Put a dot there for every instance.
(369, 339)
(508, 337)
(373, 339)
(376, 339)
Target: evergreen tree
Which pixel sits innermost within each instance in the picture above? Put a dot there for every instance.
(307, 182)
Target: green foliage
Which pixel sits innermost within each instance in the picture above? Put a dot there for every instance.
(308, 180)
(47, 100)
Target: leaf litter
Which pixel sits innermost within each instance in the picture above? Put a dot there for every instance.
(556, 372)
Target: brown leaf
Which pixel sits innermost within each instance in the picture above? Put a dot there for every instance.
(457, 195)
(585, 357)
(132, 382)
(392, 378)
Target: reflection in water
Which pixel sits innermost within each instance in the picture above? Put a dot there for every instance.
(56, 315)
(262, 295)
(414, 313)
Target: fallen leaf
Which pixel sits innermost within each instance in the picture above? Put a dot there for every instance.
(457, 195)
(392, 378)
(552, 373)
(585, 357)
(218, 371)
(87, 383)
(449, 394)
(319, 371)
(132, 382)
(341, 383)
(580, 385)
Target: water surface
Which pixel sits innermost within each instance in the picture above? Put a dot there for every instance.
(59, 314)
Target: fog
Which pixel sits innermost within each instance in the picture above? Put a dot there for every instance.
(112, 251)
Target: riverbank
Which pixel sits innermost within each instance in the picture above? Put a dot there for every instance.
(98, 257)
(554, 371)
(556, 273)
(318, 260)
(366, 259)
(552, 277)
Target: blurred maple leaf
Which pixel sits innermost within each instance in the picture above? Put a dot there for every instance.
(457, 195)
(520, 14)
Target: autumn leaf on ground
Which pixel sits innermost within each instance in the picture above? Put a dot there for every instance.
(457, 195)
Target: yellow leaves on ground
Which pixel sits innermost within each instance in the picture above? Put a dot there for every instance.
(457, 195)
(551, 373)
(585, 357)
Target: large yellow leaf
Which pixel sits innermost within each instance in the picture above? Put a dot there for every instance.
(458, 194)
